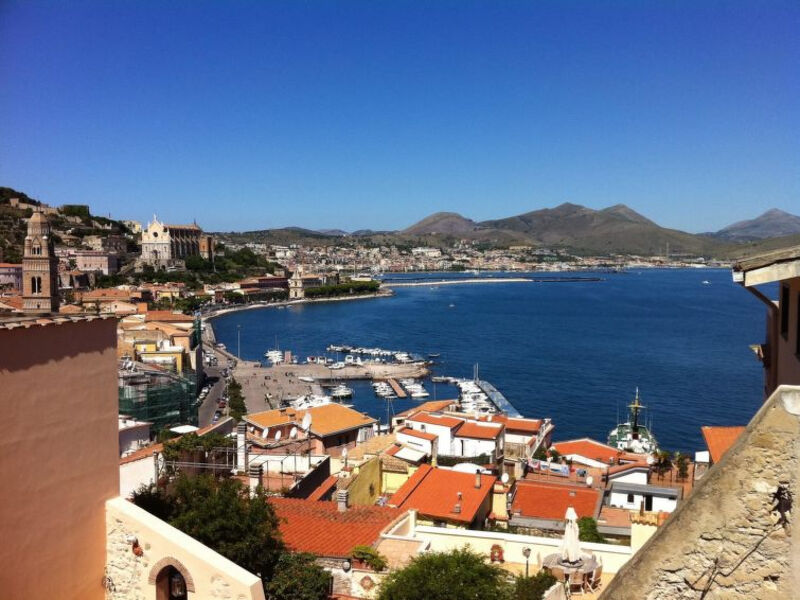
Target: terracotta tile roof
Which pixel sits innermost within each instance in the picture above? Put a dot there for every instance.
(14, 302)
(418, 434)
(616, 469)
(321, 529)
(324, 488)
(433, 419)
(720, 439)
(4, 265)
(434, 493)
(588, 448)
(480, 431)
(104, 294)
(430, 406)
(550, 501)
(524, 425)
(168, 316)
(70, 309)
(325, 420)
(15, 320)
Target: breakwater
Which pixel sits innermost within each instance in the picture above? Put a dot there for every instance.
(422, 282)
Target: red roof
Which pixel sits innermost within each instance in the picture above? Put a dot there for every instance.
(324, 489)
(588, 448)
(478, 431)
(434, 493)
(167, 315)
(433, 419)
(419, 434)
(720, 439)
(616, 469)
(551, 501)
(320, 528)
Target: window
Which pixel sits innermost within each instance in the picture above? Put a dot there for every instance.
(630, 498)
(784, 308)
(797, 328)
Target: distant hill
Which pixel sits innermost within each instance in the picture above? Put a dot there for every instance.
(773, 223)
(617, 229)
(334, 232)
(447, 223)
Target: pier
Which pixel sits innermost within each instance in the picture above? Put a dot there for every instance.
(422, 282)
(498, 399)
(398, 390)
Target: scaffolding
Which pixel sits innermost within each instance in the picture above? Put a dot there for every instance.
(159, 397)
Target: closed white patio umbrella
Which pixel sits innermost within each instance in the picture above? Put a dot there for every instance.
(570, 545)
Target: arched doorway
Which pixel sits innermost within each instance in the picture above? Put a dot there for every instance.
(171, 579)
(170, 584)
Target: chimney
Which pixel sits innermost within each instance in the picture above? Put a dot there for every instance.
(342, 500)
(457, 507)
(256, 472)
(478, 479)
(241, 447)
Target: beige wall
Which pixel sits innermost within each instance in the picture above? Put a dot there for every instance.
(726, 540)
(443, 539)
(130, 577)
(58, 457)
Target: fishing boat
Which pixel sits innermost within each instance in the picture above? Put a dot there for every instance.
(632, 436)
(341, 392)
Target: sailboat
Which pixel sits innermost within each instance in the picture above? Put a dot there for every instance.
(632, 436)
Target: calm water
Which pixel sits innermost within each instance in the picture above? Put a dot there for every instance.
(574, 352)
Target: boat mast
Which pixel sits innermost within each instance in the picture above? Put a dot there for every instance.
(635, 408)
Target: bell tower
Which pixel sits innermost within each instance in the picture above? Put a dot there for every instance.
(39, 268)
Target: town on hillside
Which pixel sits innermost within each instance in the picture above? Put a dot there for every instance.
(192, 473)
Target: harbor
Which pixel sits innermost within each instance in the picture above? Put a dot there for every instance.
(395, 283)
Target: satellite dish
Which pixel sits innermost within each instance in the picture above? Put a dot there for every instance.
(589, 481)
(277, 435)
(293, 433)
(504, 478)
(306, 424)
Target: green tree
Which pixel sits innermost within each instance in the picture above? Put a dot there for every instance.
(222, 515)
(236, 400)
(532, 588)
(587, 531)
(682, 462)
(298, 577)
(459, 574)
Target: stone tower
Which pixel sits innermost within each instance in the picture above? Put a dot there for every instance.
(39, 268)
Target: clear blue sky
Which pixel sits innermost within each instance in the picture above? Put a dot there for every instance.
(250, 115)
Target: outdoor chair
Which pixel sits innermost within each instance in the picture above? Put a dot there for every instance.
(597, 575)
(558, 573)
(576, 582)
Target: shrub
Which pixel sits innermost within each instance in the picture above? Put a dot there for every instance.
(371, 557)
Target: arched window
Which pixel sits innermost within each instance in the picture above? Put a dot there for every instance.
(36, 285)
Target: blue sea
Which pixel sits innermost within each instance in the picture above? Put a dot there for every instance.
(574, 352)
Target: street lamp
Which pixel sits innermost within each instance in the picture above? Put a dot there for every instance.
(526, 552)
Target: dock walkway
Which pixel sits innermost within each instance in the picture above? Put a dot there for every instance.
(401, 393)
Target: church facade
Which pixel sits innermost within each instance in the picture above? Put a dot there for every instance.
(163, 245)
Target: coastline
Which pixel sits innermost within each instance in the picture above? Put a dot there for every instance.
(239, 307)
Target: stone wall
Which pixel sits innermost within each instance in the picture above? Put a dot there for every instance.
(731, 538)
(138, 546)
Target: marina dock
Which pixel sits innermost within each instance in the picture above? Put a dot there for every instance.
(401, 393)
(499, 400)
